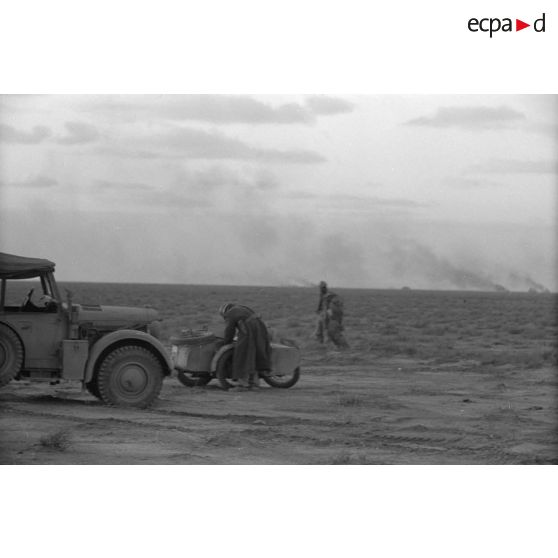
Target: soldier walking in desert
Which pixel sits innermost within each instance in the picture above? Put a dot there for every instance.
(330, 317)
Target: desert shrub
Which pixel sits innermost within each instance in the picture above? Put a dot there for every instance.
(59, 441)
(550, 356)
(469, 331)
(532, 331)
(403, 337)
(350, 401)
(383, 345)
(388, 329)
(409, 350)
(343, 458)
(358, 336)
(348, 458)
(437, 330)
(526, 358)
(492, 357)
(533, 358)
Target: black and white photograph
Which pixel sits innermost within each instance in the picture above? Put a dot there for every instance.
(278, 266)
(267, 279)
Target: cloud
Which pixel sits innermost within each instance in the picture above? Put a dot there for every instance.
(337, 254)
(218, 109)
(354, 203)
(108, 185)
(470, 118)
(515, 166)
(214, 109)
(258, 234)
(78, 133)
(231, 109)
(219, 187)
(386, 202)
(326, 105)
(466, 182)
(37, 181)
(549, 129)
(215, 177)
(9, 134)
(131, 197)
(265, 180)
(191, 143)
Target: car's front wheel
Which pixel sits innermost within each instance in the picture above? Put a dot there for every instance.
(11, 355)
(93, 388)
(130, 376)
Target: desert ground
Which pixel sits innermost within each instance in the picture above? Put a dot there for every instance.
(429, 378)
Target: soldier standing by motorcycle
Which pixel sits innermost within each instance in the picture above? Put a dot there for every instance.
(252, 351)
(330, 317)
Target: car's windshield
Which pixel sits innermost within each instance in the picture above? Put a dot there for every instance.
(17, 291)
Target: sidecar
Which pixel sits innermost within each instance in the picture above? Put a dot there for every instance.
(199, 356)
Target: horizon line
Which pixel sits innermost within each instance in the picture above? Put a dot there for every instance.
(404, 288)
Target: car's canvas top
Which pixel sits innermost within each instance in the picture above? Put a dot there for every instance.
(18, 267)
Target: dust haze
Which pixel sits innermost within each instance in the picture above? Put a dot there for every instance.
(425, 192)
(257, 248)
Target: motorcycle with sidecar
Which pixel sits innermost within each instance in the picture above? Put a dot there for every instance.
(199, 356)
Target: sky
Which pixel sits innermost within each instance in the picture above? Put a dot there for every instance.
(371, 191)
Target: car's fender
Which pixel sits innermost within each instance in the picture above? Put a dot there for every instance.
(118, 338)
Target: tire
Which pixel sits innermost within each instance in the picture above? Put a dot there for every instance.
(130, 376)
(11, 355)
(193, 379)
(224, 369)
(93, 388)
(286, 381)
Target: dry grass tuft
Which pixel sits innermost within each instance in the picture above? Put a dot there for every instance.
(350, 401)
(348, 458)
(58, 441)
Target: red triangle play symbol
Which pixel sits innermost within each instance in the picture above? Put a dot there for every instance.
(519, 25)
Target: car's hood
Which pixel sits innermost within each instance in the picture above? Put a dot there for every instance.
(121, 317)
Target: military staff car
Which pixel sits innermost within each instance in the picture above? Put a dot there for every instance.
(114, 351)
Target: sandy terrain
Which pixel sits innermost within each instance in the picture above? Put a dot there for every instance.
(430, 378)
(394, 411)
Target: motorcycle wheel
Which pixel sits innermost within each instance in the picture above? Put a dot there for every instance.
(192, 379)
(224, 370)
(283, 381)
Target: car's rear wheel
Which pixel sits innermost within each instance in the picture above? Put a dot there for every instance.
(11, 355)
(130, 376)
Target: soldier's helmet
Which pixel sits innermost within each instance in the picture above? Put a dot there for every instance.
(323, 286)
(224, 308)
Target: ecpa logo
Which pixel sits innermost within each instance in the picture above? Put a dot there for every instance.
(492, 25)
